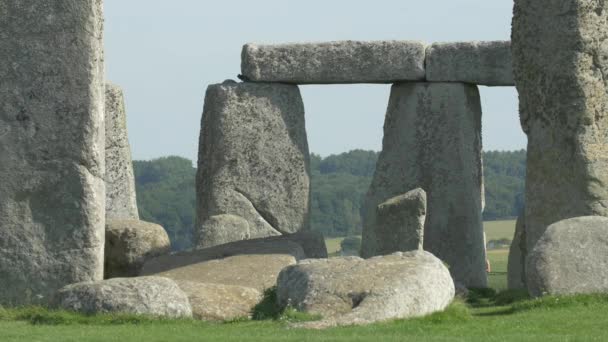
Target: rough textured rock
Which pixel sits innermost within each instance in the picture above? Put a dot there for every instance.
(571, 257)
(129, 243)
(432, 140)
(350, 290)
(221, 229)
(121, 203)
(217, 302)
(154, 296)
(516, 277)
(400, 223)
(560, 59)
(249, 263)
(335, 62)
(253, 159)
(484, 63)
(51, 147)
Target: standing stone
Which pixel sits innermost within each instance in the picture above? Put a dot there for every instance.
(484, 63)
(120, 182)
(335, 62)
(432, 140)
(52, 196)
(253, 161)
(516, 276)
(400, 223)
(570, 258)
(560, 60)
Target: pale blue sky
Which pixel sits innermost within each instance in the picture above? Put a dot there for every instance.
(165, 54)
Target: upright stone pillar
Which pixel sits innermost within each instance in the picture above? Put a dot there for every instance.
(52, 194)
(560, 57)
(253, 166)
(432, 140)
(121, 200)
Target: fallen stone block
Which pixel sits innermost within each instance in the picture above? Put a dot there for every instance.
(335, 62)
(129, 243)
(351, 290)
(154, 296)
(570, 258)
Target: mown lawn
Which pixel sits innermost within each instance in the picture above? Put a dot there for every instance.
(496, 230)
(487, 316)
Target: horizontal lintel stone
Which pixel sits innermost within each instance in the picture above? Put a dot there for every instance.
(484, 63)
(335, 62)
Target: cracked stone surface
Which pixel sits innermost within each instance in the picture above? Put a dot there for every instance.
(351, 290)
(253, 163)
(560, 61)
(52, 194)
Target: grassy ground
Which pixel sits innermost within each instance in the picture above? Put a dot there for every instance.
(496, 230)
(486, 317)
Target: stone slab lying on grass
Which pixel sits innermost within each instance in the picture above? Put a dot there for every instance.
(571, 257)
(483, 63)
(351, 290)
(129, 243)
(249, 263)
(335, 62)
(218, 302)
(155, 296)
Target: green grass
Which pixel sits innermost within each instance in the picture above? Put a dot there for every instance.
(496, 230)
(333, 245)
(580, 318)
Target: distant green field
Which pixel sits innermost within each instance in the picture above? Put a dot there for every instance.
(496, 230)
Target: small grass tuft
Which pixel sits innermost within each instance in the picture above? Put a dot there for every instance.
(458, 311)
(508, 297)
(268, 308)
(292, 315)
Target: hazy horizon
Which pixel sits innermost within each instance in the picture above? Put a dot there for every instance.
(165, 54)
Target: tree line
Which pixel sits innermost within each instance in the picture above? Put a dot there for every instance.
(166, 191)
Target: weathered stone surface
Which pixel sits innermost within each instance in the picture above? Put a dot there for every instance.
(400, 223)
(560, 59)
(51, 147)
(335, 62)
(432, 140)
(253, 159)
(571, 257)
(350, 290)
(249, 263)
(484, 63)
(121, 203)
(221, 229)
(154, 296)
(218, 302)
(516, 277)
(129, 243)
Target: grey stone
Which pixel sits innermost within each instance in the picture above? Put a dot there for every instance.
(516, 276)
(432, 140)
(335, 62)
(218, 302)
(253, 160)
(129, 243)
(51, 147)
(221, 229)
(121, 203)
(154, 296)
(570, 258)
(484, 63)
(351, 290)
(249, 263)
(560, 59)
(400, 223)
